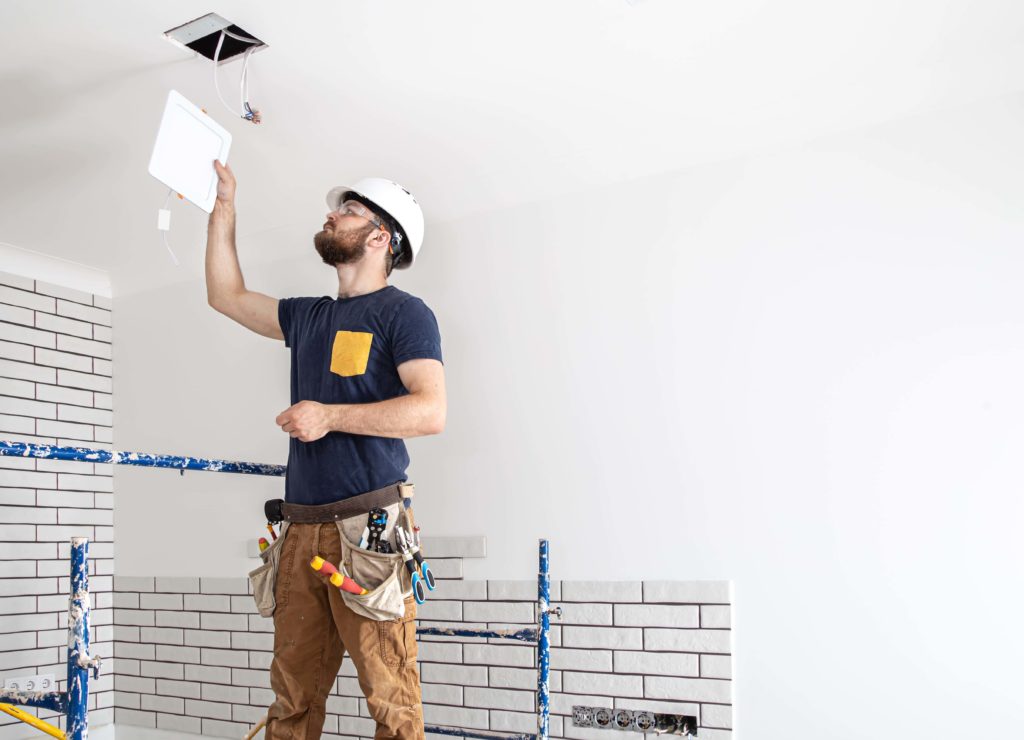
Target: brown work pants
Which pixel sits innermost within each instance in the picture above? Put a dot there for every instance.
(313, 628)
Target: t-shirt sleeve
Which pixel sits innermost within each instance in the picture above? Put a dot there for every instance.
(414, 333)
(293, 316)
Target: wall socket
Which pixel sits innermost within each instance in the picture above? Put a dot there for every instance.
(630, 720)
(44, 682)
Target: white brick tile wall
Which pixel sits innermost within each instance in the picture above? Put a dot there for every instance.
(43, 503)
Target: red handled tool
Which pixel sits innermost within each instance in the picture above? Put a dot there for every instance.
(341, 581)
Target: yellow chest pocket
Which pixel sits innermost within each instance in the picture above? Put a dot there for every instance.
(350, 352)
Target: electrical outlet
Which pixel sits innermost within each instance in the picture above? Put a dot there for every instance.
(643, 721)
(44, 682)
(623, 719)
(582, 716)
(634, 721)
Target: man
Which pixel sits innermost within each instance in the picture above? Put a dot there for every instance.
(366, 373)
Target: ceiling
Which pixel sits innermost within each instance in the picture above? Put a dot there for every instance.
(472, 105)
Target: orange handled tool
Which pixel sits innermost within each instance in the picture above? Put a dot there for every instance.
(343, 582)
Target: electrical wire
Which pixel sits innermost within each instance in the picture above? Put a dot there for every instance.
(235, 36)
(253, 116)
(164, 231)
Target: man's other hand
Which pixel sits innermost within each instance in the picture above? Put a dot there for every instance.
(306, 421)
(225, 182)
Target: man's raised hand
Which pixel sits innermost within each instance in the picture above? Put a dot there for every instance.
(225, 183)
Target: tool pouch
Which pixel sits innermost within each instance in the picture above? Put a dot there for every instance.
(383, 575)
(264, 577)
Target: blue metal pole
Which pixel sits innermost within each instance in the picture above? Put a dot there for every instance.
(86, 454)
(79, 659)
(544, 645)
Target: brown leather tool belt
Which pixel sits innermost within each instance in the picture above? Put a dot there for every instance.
(352, 506)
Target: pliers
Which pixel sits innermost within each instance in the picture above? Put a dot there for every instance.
(411, 552)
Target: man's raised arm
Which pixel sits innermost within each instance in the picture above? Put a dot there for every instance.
(225, 286)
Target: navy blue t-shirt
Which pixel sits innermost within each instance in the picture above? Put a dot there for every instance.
(347, 350)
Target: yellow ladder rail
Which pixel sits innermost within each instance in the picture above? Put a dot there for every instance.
(30, 720)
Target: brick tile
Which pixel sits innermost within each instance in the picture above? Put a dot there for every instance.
(161, 600)
(687, 592)
(715, 715)
(434, 714)
(26, 299)
(17, 281)
(661, 664)
(86, 380)
(79, 346)
(602, 683)
(218, 621)
(603, 637)
(60, 291)
(525, 590)
(510, 612)
(657, 615)
(17, 315)
(207, 603)
(688, 689)
(61, 325)
(63, 360)
(174, 671)
(18, 388)
(133, 583)
(462, 591)
(224, 585)
(27, 370)
(690, 641)
(509, 655)
(101, 417)
(716, 617)
(84, 313)
(461, 675)
(716, 666)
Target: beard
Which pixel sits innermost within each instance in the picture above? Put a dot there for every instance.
(342, 247)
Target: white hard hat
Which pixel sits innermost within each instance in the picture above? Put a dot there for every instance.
(396, 201)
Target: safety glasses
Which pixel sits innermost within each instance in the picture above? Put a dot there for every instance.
(355, 208)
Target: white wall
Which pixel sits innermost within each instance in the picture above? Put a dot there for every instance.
(799, 371)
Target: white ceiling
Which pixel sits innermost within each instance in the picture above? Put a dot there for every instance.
(473, 105)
